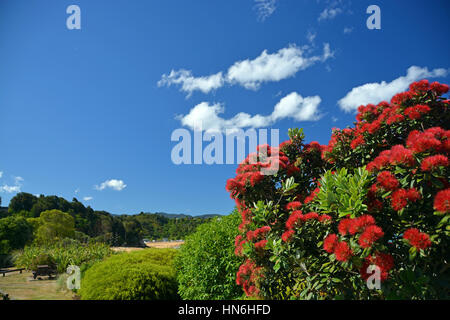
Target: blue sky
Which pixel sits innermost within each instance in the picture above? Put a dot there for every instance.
(89, 113)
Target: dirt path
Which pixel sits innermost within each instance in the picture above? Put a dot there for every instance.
(22, 287)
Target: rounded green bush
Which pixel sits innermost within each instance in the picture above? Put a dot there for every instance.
(141, 275)
(206, 265)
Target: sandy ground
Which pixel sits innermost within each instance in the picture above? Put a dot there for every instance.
(159, 245)
(166, 244)
(23, 287)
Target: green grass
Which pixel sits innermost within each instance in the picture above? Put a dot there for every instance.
(21, 287)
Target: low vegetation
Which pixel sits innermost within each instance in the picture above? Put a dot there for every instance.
(140, 275)
(206, 263)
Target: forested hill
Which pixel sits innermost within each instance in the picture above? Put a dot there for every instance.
(103, 226)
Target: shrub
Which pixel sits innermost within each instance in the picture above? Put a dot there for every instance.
(141, 275)
(206, 265)
(42, 259)
(312, 229)
(63, 254)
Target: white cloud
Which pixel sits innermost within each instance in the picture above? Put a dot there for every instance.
(189, 83)
(9, 189)
(265, 8)
(249, 73)
(114, 184)
(348, 30)
(87, 198)
(14, 188)
(311, 36)
(207, 117)
(329, 13)
(273, 67)
(376, 92)
(18, 180)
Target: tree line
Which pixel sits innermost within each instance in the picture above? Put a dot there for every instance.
(31, 218)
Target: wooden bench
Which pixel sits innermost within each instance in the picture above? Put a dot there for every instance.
(5, 271)
(43, 270)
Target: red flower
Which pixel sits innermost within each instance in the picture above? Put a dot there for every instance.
(395, 118)
(415, 112)
(344, 226)
(413, 195)
(379, 162)
(294, 219)
(419, 86)
(369, 236)
(400, 155)
(250, 235)
(383, 261)
(438, 88)
(261, 232)
(325, 217)
(422, 141)
(330, 242)
(287, 235)
(311, 197)
(260, 244)
(399, 98)
(285, 144)
(417, 239)
(342, 251)
(432, 162)
(360, 224)
(399, 199)
(442, 201)
(311, 215)
(359, 140)
(387, 180)
(293, 205)
(255, 178)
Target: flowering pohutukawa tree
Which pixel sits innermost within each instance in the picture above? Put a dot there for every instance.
(319, 228)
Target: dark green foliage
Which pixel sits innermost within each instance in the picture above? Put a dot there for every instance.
(207, 264)
(15, 232)
(141, 275)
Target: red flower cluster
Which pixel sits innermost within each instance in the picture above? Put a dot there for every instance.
(312, 196)
(417, 111)
(258, 233)
(296, 218)
(238, 244)
(369, 236)
(400, 198)
(341, 249)
(293, 205)
(417, 239)
(260, 245)
(397, 155)
(432, 162)
(433, 139)
(383, 261)
(387, 181)
(247, 277)
(365, 225)
(442, 201)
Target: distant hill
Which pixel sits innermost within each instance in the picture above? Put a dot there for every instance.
(181, 215)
